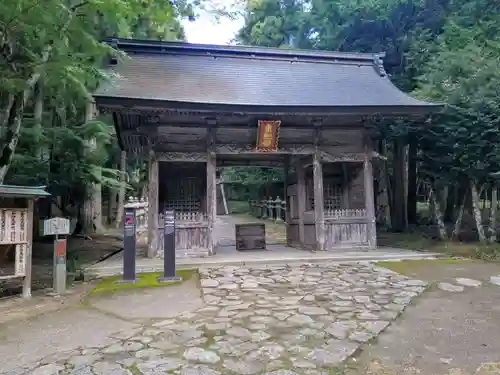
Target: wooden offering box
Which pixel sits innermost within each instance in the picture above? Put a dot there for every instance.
(251, 236)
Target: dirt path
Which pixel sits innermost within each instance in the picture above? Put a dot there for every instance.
(443, 332)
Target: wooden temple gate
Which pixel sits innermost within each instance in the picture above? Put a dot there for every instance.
(194, 108)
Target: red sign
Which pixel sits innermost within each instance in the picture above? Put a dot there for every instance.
(61, 247)
(268, 135)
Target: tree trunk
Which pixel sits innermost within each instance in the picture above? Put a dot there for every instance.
(384, 211)
(412, 181)
(493, 213)
(5, 115)
(438, 215)
(477, 211)
(399, 222)
(451, 203)
(93, 198)
(121, 192)
(458, 222)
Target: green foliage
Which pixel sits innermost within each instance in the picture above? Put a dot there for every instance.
(51, 55)
(256, 176)
(442, 50)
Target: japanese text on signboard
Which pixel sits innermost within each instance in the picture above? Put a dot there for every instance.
(268, 135)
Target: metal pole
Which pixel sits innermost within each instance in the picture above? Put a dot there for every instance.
(129, 246)
(169, 273)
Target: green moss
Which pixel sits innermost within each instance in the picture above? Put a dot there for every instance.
(146, 280)
(405, 267)
(134, 370)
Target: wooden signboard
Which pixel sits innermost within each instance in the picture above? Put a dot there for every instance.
(268, 135)
(251, 236)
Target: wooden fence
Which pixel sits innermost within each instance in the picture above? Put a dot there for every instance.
(271, 209)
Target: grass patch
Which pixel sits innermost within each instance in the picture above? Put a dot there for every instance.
(405, 267)
(146, 280)
(238, 207)
(418, 241)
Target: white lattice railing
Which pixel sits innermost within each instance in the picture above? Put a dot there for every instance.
(346, 213)
(141, 212)
(194, 216)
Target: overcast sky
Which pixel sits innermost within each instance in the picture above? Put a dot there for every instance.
(207, 30)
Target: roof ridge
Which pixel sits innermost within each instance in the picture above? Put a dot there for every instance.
(157, 46)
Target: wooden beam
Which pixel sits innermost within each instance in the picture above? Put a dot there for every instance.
(181, 156)
(153, 205)
(301, 201)
(319, 216)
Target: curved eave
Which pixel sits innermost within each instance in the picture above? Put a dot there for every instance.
(118, 104)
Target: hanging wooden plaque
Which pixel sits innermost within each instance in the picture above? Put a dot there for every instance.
(268, 135)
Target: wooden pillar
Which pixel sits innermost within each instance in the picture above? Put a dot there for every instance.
(29, 250)
(286, 166)
(211, 200)
(153, 202)
(301, 200)
(319, 204)
(370, 202)
(346, 194)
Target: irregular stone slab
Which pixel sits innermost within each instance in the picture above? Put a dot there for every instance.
(163, 323)
(447, 287)
(51, 369)
(299, 319)
(108, 368)
(281, 372)
(209, 283)
(239, 332)
(495, 280)
(260, 336)
(201, 355)
(339, 330)
(312, 310)
(361, 336)
(198, 370)
(333, 354)
(468, 282)
(244, 367)
(160, 365)
(413, 282)
(362, 299)
(230, 286)
(83, 360)
(164, 345)
(375, 327)
(149, 353)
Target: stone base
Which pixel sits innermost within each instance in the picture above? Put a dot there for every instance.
(135, 281)
(186, 253)
(169, 279)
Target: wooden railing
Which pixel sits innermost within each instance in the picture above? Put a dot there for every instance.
(271, 209)
(191, 233)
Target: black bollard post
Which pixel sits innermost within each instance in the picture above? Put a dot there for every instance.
(129, 246)
(169, 273)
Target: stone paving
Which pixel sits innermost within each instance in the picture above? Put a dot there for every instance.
(280, 320)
